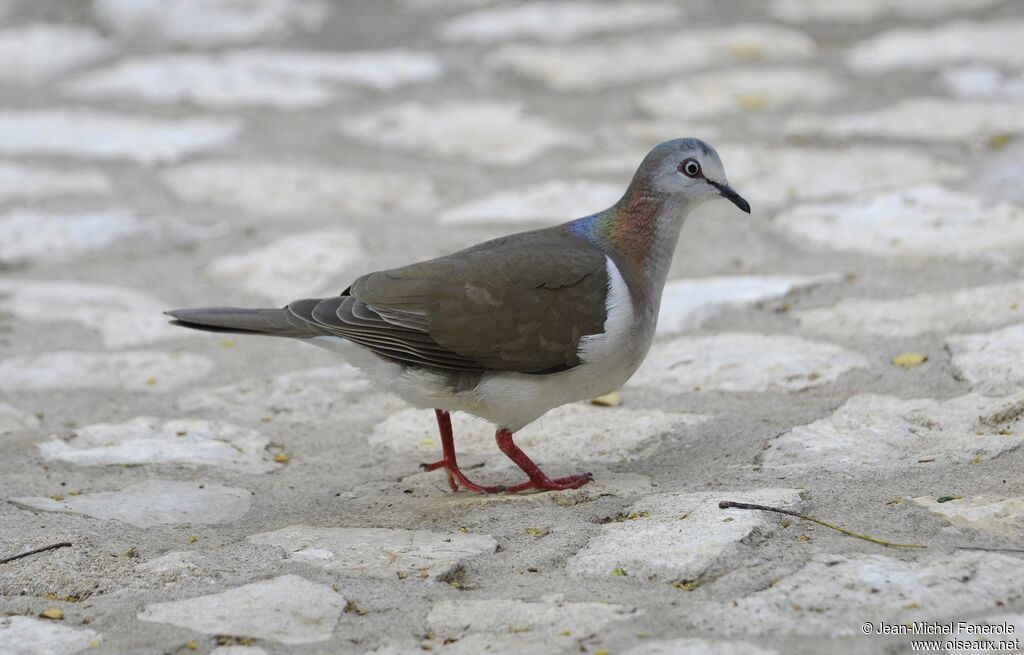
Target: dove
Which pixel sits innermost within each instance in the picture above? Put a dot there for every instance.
(513, 327)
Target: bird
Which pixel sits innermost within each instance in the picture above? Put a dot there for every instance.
(511, 328)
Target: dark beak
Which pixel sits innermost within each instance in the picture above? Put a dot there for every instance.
(728, 193)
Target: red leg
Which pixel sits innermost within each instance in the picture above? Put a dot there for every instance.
(449, 463)
(538, 479)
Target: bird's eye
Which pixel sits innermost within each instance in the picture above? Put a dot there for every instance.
(690, 168)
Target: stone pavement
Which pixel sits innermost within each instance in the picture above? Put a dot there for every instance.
(853, 350)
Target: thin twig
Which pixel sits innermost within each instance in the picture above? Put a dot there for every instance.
(726, 504)
(994, 549)
(63, 544)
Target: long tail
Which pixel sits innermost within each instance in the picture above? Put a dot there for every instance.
(272, 322)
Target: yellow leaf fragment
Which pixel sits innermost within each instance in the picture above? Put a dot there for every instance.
(618, 572)
(192, 645)
(909, 360)
(537, 532)
(751, 101)
(282, 458)
(52, 613)
(194, 538)
(228, 343)
(998, 141)
(746, 51)
(151, 380)
(613, 399)
(352, 606)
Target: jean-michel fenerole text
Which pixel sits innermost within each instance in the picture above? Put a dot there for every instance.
(944, 628)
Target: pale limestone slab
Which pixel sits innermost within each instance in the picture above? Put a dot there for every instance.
(27, 635)
(983, 81)
(688, 303)
(741, 361)
(955, 42)
(135, 370)
(556, 22)
(885, 434)
(831, 594)
(551, 202)
(94, 134)
(287, 609)
(916, 223)
(300, 188)
(770, 177)
(989, 361)
(33, 236)
(149, 440)
(1003, 517)
(570, 432)
(697, 646)
(296, 395)
(549, 616)
(295, 266)
(210, 22)
(124, 317)
(13, 419)
(38, 52)
(916, 119)
(486, 131)
(594, 66)
(677, 536)
(19, 180)
(151, 503)
(738, 90)
(862, 11)
(281, 79)
(989, 305)
(383, 553)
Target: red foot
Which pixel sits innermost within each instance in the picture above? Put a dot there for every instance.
(557, 484)
(450, 464)
(538, 479)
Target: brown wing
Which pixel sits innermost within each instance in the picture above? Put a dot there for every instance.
(520, 303)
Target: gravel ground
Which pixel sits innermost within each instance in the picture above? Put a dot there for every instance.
(852, 350)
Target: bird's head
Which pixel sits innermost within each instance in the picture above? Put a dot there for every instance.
(687, 170)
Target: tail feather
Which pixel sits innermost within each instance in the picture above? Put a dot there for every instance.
(272, 322)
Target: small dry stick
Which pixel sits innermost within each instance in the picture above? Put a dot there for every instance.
(726, 504)
(63, 544)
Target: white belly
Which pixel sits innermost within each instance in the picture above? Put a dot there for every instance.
(513, 400)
